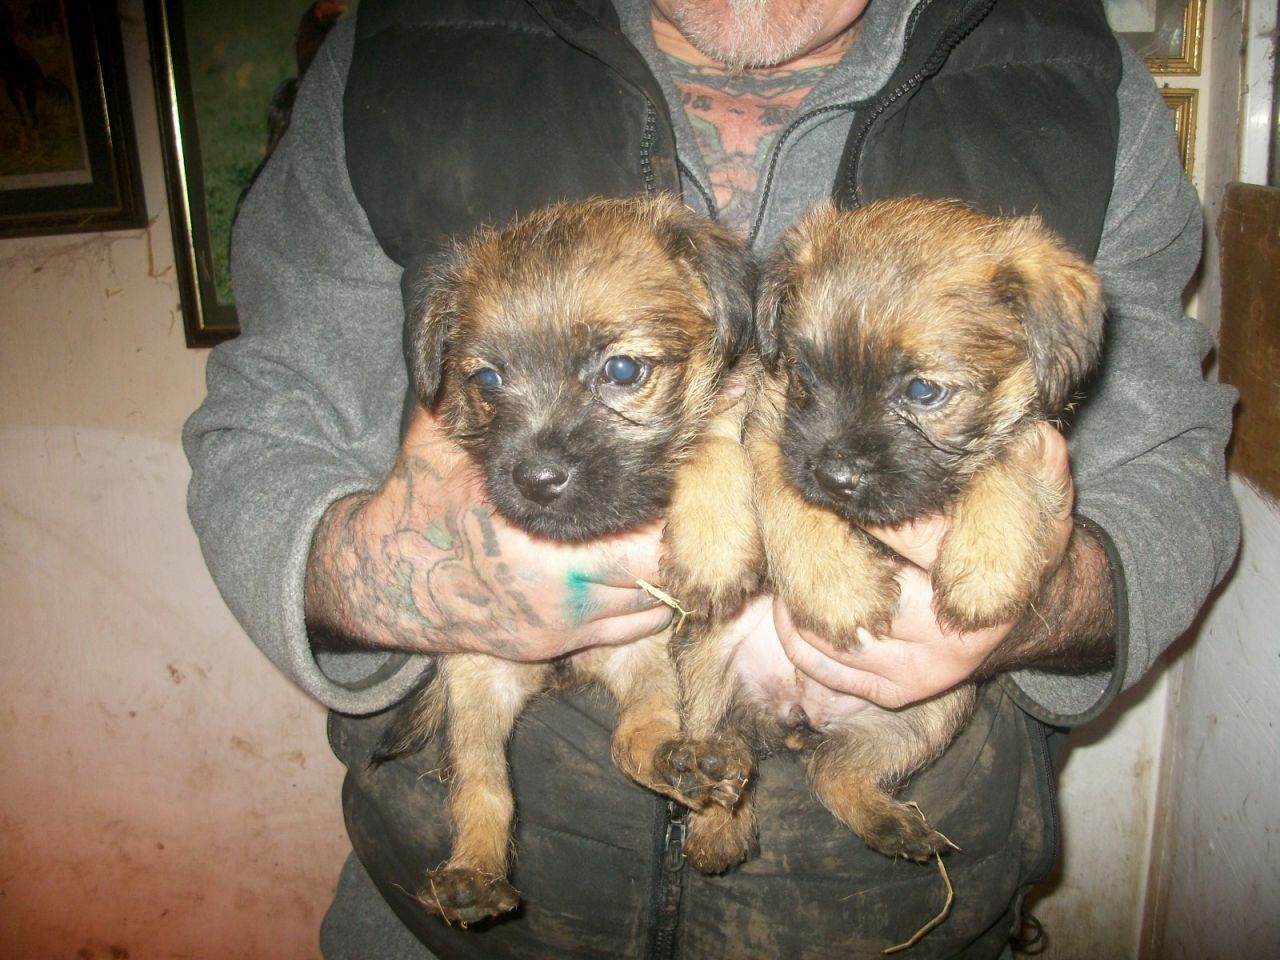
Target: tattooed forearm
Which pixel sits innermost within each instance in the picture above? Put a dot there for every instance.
(393, 570)
(1072, 629)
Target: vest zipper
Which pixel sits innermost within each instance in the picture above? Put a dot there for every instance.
(931, 66)
(669, 882)
(836, 107)
(646, 147)
(776, 152)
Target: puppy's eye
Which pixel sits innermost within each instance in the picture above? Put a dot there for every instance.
(624, 371)
(486, 378)
(926, 393)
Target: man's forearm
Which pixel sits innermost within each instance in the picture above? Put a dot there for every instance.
(365, 583)
(1072, 627)
(331, 564)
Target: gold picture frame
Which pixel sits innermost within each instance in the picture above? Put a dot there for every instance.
(1167, 34)
(1182, 104)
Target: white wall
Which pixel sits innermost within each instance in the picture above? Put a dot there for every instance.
(164, 791)
(1216, 879)
(1215, 863)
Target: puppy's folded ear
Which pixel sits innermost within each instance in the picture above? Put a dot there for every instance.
(774, 294)
(1057, 296)
(726, 269)
(429, 290)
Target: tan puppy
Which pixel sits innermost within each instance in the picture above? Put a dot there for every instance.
(576, 355)
(914, 345)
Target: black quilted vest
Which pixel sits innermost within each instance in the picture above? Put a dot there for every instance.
(461, 112)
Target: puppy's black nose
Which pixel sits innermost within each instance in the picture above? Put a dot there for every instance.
(541, 481)
(837, 477)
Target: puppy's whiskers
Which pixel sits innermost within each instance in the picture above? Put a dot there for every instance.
(936, 444)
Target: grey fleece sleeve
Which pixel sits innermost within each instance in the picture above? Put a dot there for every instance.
(304, 406)
(1147, 445)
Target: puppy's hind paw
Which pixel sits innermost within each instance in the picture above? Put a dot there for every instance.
(705, 773)
(903, 832)
(463, 896)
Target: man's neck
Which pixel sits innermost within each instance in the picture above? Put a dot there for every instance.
(737, 115)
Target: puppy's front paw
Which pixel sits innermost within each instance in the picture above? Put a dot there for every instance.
(713, 565)
(711, 592)
(835, 612)
(967, 598)
(463, 896)
(705, 773)
(712, 553)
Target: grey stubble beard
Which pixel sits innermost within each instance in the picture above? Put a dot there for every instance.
(749, 33)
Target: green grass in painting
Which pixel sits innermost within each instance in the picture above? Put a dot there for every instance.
(239, 51)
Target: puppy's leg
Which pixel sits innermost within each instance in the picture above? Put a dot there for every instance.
(710, 762)
(990, 563)
(642, 680)
(712, 555)
(710, 767)
(825, 569)
(648, 747)
(484, 697)
(855, 772)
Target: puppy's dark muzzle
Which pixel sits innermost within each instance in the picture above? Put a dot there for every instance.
(542, 480)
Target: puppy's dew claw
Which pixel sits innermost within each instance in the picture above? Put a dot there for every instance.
(462, 896)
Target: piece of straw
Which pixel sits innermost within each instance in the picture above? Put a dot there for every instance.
(663, 597)
(946, 907)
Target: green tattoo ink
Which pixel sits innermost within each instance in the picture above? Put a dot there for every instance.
(438, 535)
(578, 603)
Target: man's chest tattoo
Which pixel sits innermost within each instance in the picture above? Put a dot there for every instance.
(736, 120)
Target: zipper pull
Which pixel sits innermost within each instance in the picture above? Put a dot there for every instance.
(673, 841)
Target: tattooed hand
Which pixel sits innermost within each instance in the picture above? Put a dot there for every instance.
(424, 564)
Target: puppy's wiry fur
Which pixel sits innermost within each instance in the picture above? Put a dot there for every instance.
(914, 345)
(576, 356)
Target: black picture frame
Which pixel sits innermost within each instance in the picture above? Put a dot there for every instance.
(207, 320)
(225, 74)
(68, 155)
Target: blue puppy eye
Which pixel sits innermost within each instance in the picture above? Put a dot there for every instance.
(925, 392)
(487, 378)
(623, 371)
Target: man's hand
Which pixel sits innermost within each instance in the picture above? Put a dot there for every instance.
(1070, 628)
(424, 564)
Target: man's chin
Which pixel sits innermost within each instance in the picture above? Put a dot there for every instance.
(747, 35)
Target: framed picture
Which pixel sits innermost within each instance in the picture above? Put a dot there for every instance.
(1182, 104)
(68, 160)
(1167, 34)
(226, 72)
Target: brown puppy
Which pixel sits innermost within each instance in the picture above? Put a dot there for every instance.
(576, 356)
(914, 345)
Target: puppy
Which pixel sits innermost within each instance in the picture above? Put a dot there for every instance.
(913, 347)
(576, 356)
